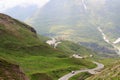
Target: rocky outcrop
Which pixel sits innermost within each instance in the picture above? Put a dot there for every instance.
(9, 71)
(5, 20)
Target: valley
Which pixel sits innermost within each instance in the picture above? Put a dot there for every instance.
(21, 45)
(60, 40)
(82, 28)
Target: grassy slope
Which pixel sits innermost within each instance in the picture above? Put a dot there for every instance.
(52, 66)
(107, 62)
(20, 45)
(71, 47)
(112, 72)
(80, 76)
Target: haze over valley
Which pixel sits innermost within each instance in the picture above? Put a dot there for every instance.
(59, 40)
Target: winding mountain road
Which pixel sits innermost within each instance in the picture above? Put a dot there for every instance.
(91, 71)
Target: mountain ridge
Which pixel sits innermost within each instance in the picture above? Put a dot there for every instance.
(78, 21)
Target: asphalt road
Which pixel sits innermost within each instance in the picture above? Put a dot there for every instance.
(91, 71)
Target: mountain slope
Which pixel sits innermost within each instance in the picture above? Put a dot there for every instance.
(16, 35)
(20, 44)
(73, 48)
(112, 72)
(78, 20)
(15, 29)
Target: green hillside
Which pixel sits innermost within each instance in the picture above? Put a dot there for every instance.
(81, 76)
(20, 44)
(112, 72)
(74, 48)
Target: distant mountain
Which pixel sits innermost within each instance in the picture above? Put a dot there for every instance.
(79, 21)
(21, 13)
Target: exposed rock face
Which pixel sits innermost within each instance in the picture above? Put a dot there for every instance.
(33, 30)
(5, 20)
(9, 71)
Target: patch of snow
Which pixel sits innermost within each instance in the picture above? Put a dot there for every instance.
(117, 49)
(104, 36)
(84, 5)
(117, 41)
(53, 42)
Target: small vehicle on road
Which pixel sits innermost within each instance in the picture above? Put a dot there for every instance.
(73, 72)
